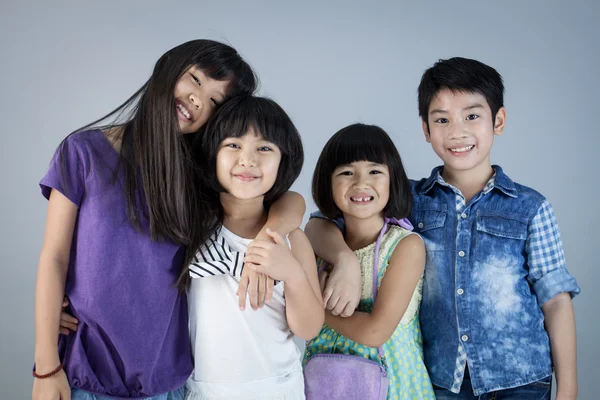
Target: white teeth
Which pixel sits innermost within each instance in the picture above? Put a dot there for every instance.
(462, 149)
(361, 199)
(183, 111)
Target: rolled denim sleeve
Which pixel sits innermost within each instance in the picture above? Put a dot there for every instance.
(546, 259)
(338, 221)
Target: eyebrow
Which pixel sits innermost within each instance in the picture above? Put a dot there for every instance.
(442, 111)
(195, 70)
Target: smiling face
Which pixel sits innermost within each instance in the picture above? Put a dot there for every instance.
(196, 98)
(247, 166)
(361, 189)
(461, 130)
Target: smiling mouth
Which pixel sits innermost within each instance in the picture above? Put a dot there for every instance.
(184, 112)
(462, 149)
(246, 178)
(361, 199)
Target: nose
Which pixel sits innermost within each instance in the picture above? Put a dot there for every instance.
(457, 130)
(247, 159)
(361, 181)
(195, 100)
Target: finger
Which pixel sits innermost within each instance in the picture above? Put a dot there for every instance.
(339, 307)
(258, 251)
(68, 318)
(253, 290)
(348, 310)
(254, 259)
(327, 293)
(64, 331)
(65, 302)
(322, 281)
(241, 292)
(277, 238)
(270, 285)
(262, 289)
(332, 303)
(68, 325)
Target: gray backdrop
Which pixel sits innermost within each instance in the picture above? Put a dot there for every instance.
(328, 64)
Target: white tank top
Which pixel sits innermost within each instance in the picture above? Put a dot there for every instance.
(237, 351)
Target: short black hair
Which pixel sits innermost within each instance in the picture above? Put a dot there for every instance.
(360, 142)
(234, 119)
(461, 75)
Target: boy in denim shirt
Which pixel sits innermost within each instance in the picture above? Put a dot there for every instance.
(497, 294)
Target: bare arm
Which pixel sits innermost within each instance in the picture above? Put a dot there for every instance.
(297, 268)
(285, 215)
(342, 291)
(304, 305)
(50, 287)
(560, 324)
(404, 270)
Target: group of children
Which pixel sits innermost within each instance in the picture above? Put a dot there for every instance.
(162, 226)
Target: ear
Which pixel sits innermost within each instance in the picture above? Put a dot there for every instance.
(500, 121)
(425, 127)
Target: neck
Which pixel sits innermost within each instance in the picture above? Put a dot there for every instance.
(469, 182)
(245, 218)
(361, 232)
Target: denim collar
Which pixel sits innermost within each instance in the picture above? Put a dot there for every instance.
(502, 181)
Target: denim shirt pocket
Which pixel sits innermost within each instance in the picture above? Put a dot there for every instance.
(500, 239)
(430, 221)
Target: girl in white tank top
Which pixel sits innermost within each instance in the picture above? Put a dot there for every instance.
(253, 153)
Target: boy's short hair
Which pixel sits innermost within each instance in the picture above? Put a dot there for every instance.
(461, 75)
(266, 117)
(360, 142)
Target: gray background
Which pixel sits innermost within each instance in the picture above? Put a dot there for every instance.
(328, 64)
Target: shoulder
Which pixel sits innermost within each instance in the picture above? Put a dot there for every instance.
(410, 241)
(403, 241)
(528, 192)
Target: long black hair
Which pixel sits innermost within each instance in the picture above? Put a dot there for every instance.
(156, 156)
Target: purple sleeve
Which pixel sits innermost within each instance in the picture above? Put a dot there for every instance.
(66, 172)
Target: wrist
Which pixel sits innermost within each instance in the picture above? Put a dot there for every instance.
(46, 360)
(344, 257)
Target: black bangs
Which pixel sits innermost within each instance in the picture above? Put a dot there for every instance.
(358, 142)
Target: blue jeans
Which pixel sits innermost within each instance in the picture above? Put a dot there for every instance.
(78, 394)
(539, 390)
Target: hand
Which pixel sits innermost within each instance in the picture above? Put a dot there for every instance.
(273, 258)
(55, 387)
(255, 285)
(259, 287)
(342, 291)
(68, 322)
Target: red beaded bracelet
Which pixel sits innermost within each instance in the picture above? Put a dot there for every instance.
(48, 375)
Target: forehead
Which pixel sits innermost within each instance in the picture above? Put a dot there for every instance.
(452, 100)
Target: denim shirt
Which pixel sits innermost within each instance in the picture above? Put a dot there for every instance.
(491, 264)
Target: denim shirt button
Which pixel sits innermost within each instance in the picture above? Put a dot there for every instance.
(463, 216)
(420, 225)
(461, 253)
(460, 292)
(464, 338)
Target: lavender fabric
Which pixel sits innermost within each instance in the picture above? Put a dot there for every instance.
(344, 377)
(132, 340)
